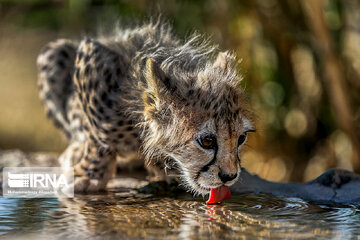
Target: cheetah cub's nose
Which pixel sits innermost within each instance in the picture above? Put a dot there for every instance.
(226, 177)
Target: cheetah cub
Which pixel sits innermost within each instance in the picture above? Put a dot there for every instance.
(144, 93)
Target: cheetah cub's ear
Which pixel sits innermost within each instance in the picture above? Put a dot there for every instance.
(227, 65)
(159, 89)
(222, 61)
(155, 79)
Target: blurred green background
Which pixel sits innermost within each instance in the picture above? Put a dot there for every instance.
(300, 59)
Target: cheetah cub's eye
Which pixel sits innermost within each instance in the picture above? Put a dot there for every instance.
(242, 139)
(207, 142)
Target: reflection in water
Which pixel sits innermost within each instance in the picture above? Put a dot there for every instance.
(115, 215)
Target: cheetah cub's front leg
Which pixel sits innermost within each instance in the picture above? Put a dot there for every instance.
(96, 167)
(93, 165)
(94, 82)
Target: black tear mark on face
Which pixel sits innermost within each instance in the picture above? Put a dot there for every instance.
(207, 166)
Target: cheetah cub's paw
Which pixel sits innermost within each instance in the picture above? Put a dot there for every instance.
(92, 179)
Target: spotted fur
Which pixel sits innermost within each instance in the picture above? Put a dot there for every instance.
(143, 92)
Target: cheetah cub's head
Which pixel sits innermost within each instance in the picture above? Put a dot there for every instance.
(198, 119)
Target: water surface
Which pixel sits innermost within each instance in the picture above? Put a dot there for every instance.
(134, 216)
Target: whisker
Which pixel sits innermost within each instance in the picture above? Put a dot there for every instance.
(174, 175)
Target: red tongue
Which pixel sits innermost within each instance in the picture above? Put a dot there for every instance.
(219, 194)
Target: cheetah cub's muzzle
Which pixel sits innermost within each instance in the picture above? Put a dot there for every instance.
(216, 160)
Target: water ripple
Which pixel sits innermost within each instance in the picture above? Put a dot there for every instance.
(116, 215)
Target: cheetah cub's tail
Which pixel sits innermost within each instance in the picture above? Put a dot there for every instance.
(55, 66)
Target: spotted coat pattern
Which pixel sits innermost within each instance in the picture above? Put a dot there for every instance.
(139, 93)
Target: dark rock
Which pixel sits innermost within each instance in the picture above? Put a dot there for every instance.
(334, 186)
